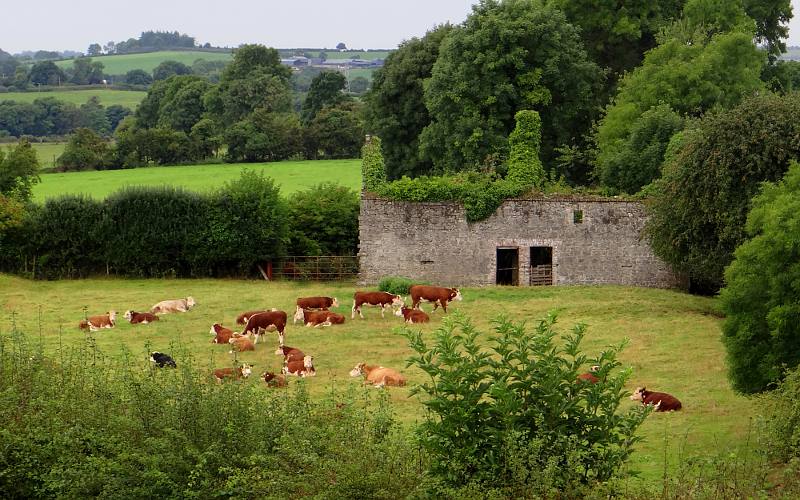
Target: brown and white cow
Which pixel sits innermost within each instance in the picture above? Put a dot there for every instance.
(661, 401)
(221, 334)
(174, 305)
(243, 371)
(94, 323)
(136, 317)
(273, 380)
(317, 318)
(290, 353)
(380, 299)
(590, 376)
(241, 343)
(378, 375)
(317, 302)
(412, 316)
(300, 367)
(260, 322)
(242, 318)
(439, 295)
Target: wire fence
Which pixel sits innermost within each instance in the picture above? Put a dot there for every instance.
(315, 268)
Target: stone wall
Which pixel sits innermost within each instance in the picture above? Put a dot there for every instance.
(593, 242)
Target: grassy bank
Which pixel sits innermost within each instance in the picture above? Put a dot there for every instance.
(107, 97)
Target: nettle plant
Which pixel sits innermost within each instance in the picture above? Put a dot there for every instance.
(513, 415)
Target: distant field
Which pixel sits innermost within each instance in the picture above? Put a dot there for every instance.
(122, 63)
(128, 98)
(48, 152)
(291, 176)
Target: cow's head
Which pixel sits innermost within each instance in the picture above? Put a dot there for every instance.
(214, 328)
(358, 370)
(399, 312)
(638, 394)
(335, 302)
(397, 301)
(455, 294)
(594, 368)
(246, 370)
(298, 315)
(267, 376)
(307, 362)
(190, 302)
(112, 315)
(128, 315)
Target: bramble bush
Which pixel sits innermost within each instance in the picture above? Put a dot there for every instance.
(512, 419)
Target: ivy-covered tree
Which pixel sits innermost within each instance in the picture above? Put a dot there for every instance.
(524, 166)
(761, 299)
(395, 107)
(507, 56)
(698, 211)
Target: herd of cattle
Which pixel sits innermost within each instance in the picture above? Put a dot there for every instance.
(315, 312)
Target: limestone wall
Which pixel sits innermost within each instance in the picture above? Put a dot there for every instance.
(434, 242)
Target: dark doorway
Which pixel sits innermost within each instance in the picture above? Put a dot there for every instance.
(541, 266)
(508, 266)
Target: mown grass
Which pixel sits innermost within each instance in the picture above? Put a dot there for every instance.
(674, 341)
(290, 175)
(107, 97)
(122, 63)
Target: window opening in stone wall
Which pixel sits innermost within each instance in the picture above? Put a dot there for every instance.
(577, 216)
(541, 266)
(508, 266)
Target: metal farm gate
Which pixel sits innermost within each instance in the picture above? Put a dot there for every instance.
(314, 268)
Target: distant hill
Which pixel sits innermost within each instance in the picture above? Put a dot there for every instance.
(147, 61)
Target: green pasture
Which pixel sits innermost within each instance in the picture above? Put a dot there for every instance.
(122, 63)
(290, 175)
(674, 341)
(107, 97)
(47, 152)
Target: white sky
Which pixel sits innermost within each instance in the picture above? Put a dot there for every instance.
(73, 25)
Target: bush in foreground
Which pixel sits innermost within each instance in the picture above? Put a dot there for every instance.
(513, 418)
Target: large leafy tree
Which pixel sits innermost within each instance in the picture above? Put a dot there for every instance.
(167, 69)
(19, 171)
(691, 73)
(762, 297)
(699, 209)
(326, 90)
(86, 72)
(506, 57)
(396, 109)
(46, 73)
(335, 132)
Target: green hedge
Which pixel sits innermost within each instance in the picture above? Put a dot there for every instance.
(148, 232)
(397, 285)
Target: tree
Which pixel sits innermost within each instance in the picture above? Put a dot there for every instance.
(323, 221)
(761, 299)
(138, 77)
(395, 107)
(86, 72)
(506, 57)
(772, 23)
(85, 151)
(359, 85)
(263, 136)
(94, 50)
(336, 132)
(326, 90)
(167, 69)
(19, 171)
(92, 115)
(699, 207)
(341, 46)
(182, 104)
(115, 114)
(691, 75)
(46, 73)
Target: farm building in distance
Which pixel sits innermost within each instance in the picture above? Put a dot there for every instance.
(525, 242)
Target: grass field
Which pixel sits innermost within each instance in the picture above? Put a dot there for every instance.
(122, 63)
(674, 341)
(47, 152)
(128, 98)
(290, 175)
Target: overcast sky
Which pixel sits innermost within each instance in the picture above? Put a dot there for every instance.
(73, 25)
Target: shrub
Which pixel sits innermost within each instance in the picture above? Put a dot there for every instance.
(513, 416)
(85, 151)
(323, 220)
(782, 419)
(762, 297)
(397, 285)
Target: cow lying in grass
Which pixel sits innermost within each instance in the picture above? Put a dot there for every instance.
(239, 372)
(661, 401)
(412, 316)
(174, 305)
(378, 375)
(317, 318)
(273, 380)
(94, 323)
(300, 368)
(135, 318)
